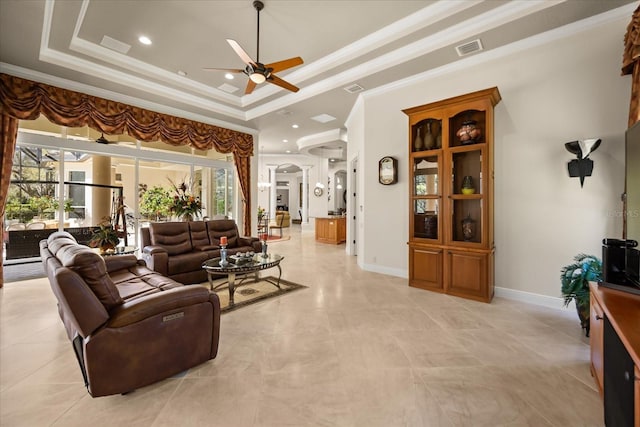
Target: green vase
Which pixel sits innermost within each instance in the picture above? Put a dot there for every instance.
(467, 185)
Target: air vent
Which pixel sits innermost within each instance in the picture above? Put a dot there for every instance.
(354, 88)
(323, 118)
(284, 113)
(114, 44)
(469, 47)
(227, 88)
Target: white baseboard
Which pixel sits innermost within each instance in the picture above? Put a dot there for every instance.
(531, 298)
(512, 294)
(397, 272)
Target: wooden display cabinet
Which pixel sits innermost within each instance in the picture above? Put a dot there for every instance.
(451, 243)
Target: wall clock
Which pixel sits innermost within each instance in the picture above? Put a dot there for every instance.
(388, 170)
(317, 191)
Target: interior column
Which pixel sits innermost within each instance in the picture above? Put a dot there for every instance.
(272, 191)
(305, 194)
(100, 197)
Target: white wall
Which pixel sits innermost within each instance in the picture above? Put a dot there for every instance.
(318, 206)
(552, 92)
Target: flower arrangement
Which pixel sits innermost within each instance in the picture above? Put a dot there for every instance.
(184, 204)
(105, 237)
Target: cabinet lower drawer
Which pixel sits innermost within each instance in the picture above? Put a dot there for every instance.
(469, 275)
(425, 268)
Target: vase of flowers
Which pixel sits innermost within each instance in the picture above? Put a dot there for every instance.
(185, 204)
(104, 237)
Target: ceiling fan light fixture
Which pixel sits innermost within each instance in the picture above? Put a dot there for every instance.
(257, 78)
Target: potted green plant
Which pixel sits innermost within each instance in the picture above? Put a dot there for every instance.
(104, 237)
(155, 203)
(575, 280)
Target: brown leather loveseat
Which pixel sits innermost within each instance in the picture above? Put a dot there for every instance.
(129, 325)
(178, 249)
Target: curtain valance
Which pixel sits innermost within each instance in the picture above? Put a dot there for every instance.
(25, 100)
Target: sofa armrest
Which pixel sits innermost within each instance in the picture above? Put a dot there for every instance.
(156, 258)
(162, 302)
(115, 263)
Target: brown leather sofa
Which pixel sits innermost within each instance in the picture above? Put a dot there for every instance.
(178, 249)
(129, 325)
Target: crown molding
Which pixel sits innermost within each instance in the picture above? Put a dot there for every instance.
(109, 56)
(420, 19)
(575, 28)
(416, 21)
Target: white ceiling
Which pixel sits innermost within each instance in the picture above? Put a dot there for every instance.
(368, 43)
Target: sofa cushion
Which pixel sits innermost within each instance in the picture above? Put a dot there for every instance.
(173, 236)
(91, 267)
(135, 288)
(223, 227)
(59, 239)
(199, 235)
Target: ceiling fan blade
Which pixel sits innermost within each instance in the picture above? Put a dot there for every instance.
(230, 70)
(283, 65)
(241, 53)
(279, 82)
(251, 85)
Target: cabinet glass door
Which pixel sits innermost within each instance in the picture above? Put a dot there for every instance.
(466, 172)
(426, 196)
(466, 220)
(466, 194)
(426, 135)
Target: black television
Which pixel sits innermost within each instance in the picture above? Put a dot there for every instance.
(620, 257)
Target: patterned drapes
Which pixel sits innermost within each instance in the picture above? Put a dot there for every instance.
(26, 100)
(8, 134)
(631, 64)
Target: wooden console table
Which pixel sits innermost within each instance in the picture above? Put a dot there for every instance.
(622, 311)
(331, 229)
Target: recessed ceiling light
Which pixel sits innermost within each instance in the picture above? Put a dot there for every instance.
(228, 76)
(288, 151)
(285, 140)
(295, 126)
(182, 73)
(144, 40)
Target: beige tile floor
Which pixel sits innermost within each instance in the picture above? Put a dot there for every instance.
(354, 349)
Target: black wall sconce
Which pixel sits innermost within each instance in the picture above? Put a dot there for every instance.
(582, 166)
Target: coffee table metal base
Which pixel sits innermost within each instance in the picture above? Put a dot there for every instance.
(243, 274)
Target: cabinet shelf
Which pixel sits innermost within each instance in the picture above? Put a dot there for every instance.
(465, 196)
(451, 245)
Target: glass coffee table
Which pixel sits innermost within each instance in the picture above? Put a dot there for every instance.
(244, 269)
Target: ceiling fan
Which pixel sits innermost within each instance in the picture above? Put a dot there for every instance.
(257, 71)
(103, 140)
